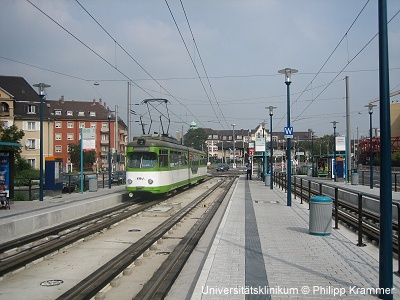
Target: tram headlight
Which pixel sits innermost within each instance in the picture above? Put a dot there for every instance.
(130, 181)
(150, 181)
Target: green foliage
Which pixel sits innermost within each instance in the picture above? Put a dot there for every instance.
(196, 138)
(396, 159)
(11, 134)
(89, 157)
(20, 196)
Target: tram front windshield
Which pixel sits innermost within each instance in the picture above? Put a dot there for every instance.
(141, 160)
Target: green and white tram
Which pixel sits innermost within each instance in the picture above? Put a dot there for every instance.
(158, 165)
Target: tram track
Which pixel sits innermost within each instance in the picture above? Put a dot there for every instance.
(21, 252)
(102, 277)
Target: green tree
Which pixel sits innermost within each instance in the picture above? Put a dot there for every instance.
(11, 134)
(89, 157)
(396, 159)
(196, 138)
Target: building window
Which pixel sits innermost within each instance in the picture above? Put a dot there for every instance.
(31, 126)
(32, 162)
(92, 113)
(58, 149)
(93, 125)
(70, 125)
(30, 144)
(238, 137)
(224, 138)
(70, 113)
(104, 137)
(104, 148)
(70, 136)
(57, 112)
(31, 109)
(215, 137)
(58, 124)
(81, 124)
(58, 136)
(81, 113)
(104, 125)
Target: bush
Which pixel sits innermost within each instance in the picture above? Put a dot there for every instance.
(20, 196)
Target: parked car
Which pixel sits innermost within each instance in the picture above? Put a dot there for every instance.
(118, 177)
(70, 182)
(222, 168)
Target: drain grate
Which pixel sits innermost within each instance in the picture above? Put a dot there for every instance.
(52, 282)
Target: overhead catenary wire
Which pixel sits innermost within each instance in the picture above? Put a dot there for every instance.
(131, 57)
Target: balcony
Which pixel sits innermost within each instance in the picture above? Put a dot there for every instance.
(104, 142)
(104, 129)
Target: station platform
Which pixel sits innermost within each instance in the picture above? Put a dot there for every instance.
(26, 217)
(260, 248)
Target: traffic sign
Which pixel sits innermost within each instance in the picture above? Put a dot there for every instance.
(288, 132)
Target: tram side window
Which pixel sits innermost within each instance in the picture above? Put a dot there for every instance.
(174, 162)
(184, 160)
(143, 160)
(163, 158)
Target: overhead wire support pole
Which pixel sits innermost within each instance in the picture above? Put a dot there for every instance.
(41, 87)
(385, 228)
(348, 139)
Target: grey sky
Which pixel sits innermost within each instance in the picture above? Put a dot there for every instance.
(242, 45)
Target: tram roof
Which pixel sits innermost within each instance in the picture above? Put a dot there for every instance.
(160, 141)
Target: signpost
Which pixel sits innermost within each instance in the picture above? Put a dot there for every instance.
(88, 142)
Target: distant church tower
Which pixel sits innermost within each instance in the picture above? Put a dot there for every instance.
(193, 125)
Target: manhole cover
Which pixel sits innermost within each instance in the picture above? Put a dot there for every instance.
(163, 253)
(133, 230)
(51, 282)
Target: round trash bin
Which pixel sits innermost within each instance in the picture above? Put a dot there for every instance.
(354, 178)
(267, 179)
(320, 222)
(93, 184)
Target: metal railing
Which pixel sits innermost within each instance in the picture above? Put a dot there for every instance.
(361, 217)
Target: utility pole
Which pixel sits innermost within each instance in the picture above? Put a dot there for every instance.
(348, 139)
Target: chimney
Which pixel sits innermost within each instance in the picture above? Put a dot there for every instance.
(62, 99)
(94, 101)
(100, 101)
(105, 104)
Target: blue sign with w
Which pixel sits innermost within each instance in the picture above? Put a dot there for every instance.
(288, 132)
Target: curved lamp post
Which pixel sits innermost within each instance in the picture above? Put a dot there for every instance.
(271, 113)
(371, 157)
(288, 73)
(41, 87)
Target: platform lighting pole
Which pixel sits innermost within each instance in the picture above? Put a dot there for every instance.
(385, 242)
(371, 169)
(234, 149)
(109, 149)
(41, 87)
(271, 113)
(264, 153)
(334, 150)
(312, 153)
(288, 73)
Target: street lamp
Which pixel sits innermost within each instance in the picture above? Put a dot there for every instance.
(371, 179)
(271, 112)
(264, 169)
(288, 73)
(234, 149)
(334, 150)
(109, 149)
(312, 153)
(41, 87)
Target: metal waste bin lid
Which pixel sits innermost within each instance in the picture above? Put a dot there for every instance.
(321, 199)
